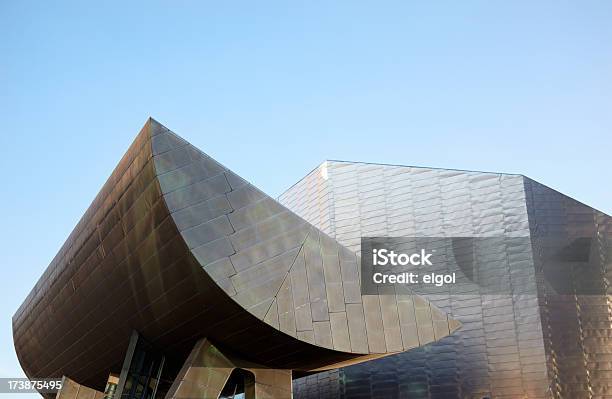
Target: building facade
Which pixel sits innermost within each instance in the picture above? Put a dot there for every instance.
(182, 280)
(546, 336)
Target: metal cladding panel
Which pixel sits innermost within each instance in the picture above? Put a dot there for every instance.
(577, 328)
(178, 247)
(270, 261)
(499, 351)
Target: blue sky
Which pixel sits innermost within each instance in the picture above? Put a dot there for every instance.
(271, 89)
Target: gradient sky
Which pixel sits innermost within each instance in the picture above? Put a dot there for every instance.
(271, 89)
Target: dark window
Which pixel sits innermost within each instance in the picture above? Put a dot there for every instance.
(144, 372)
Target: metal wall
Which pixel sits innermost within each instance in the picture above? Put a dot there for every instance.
(577, 317)
(499, 351)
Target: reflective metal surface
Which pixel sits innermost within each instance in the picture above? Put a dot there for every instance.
(275, 264)
(210, 373)
(577, 328)
(178, 248)
(531, 342)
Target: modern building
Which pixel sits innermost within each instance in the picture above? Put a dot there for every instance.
(547, 331)
(182, 280)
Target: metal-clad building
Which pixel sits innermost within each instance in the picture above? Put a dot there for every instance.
(535, 340)
(182, 280)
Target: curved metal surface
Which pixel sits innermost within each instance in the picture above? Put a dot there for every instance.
(178, 247)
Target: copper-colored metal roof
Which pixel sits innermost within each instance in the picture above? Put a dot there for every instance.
(178, 247)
